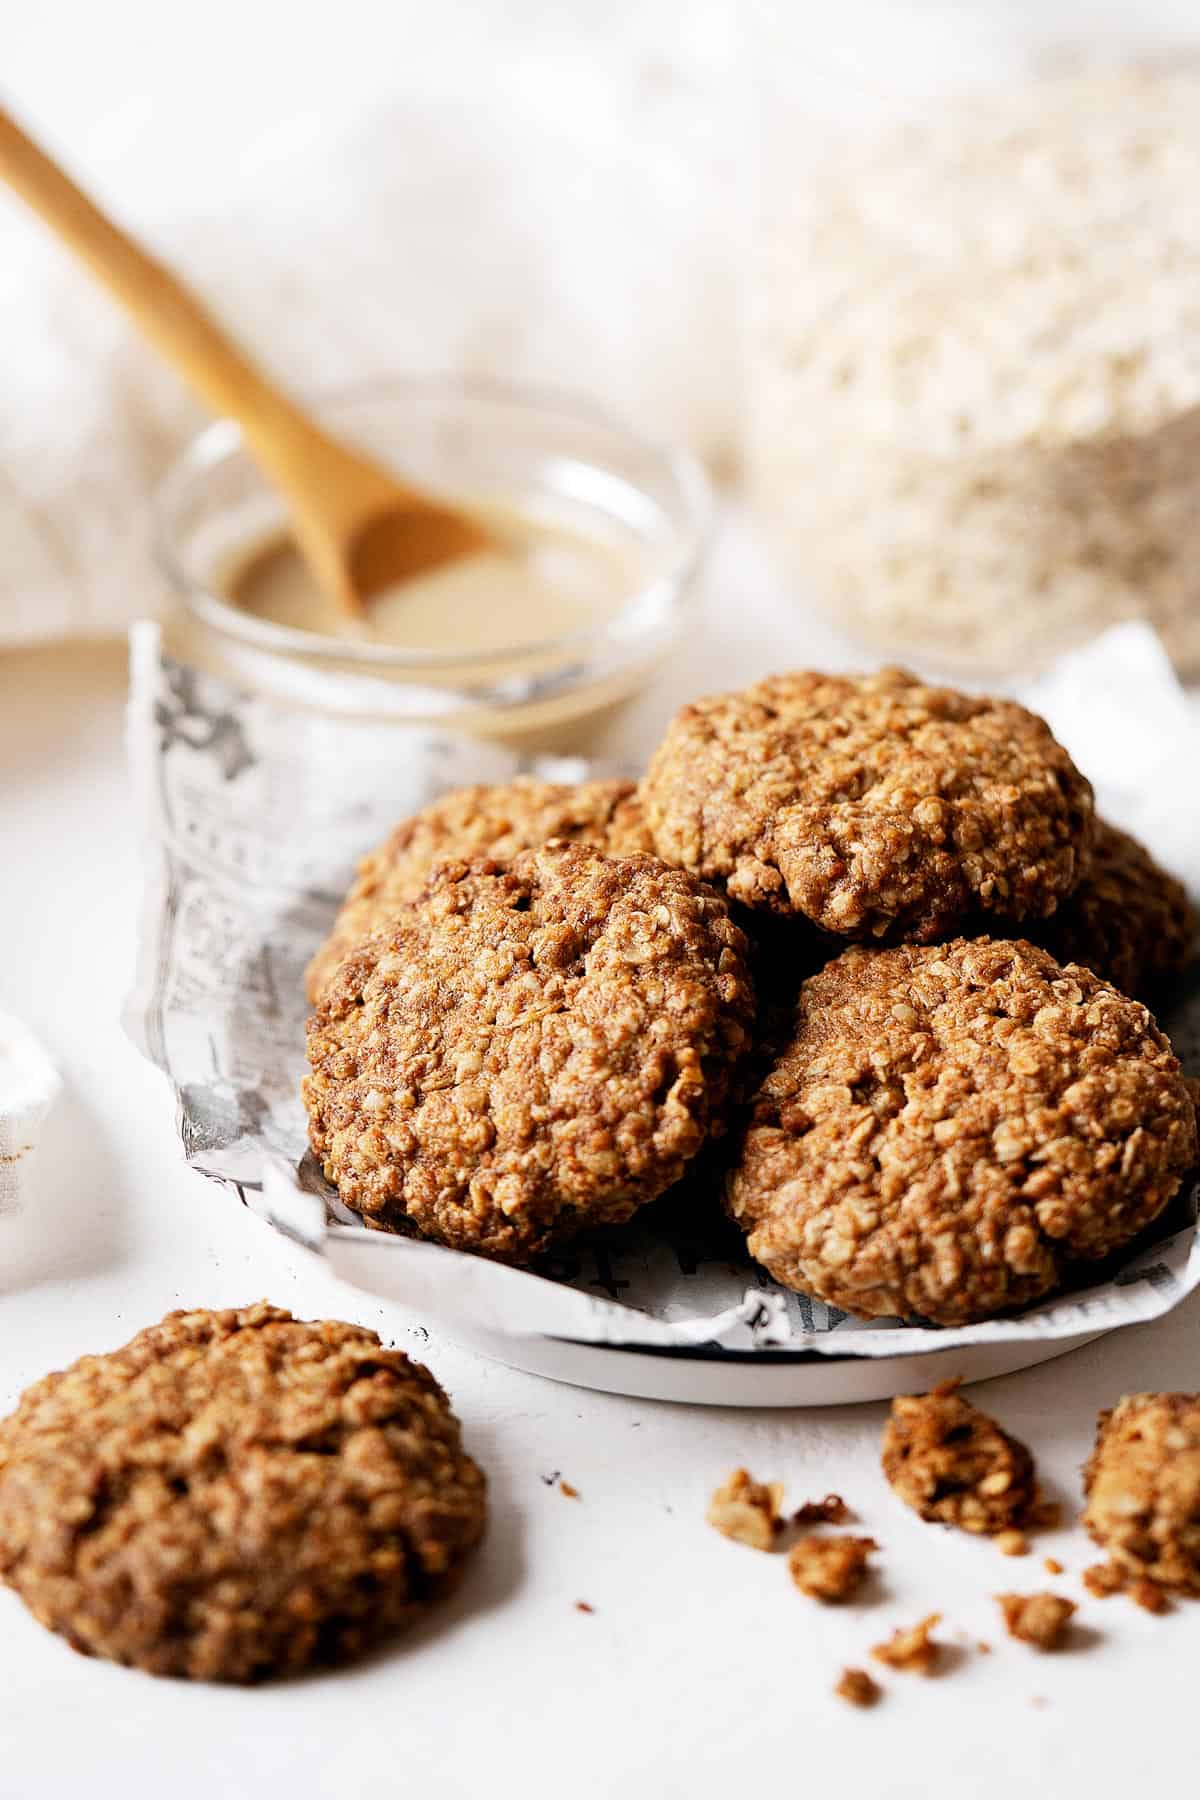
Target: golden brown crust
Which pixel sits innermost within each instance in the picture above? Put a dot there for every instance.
(873, 805)
(529, 1049)
(235, 1494)
(953, 1464)
(474, 822)
(830, 1568)
(1128, 920)
(1143, 1489)
(952, 1125)
(1038, 1619)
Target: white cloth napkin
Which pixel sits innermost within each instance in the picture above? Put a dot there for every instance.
(1118, 706)
(29, 1086)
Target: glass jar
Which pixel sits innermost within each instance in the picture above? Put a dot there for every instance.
(546, 459)
(973, 322)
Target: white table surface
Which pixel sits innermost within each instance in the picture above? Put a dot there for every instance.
(702, 1672)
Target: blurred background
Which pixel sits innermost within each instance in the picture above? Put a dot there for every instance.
(946, 356)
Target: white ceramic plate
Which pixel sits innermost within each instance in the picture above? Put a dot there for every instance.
(732, 1378)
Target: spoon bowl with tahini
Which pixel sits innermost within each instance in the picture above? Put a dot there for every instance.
(360, 529)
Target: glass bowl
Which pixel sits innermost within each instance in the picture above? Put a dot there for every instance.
(553, 459)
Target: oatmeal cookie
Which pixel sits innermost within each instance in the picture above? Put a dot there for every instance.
(1128, 920)
(1143, 1489)
(952, 1125)
(529, 1049)
(234, 1495)
(872, 805)
(474, 822)
(954, 1465)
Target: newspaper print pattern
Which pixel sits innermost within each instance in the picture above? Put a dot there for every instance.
(254, 820)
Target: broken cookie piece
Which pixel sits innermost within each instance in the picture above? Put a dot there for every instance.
(747, 1510)
(830, 1568)
(1103, 1579)
(911, 1647)
(832, 1510)
(1037, 1619)
(1143, 1489)
(859, 1688)
(954, 1465)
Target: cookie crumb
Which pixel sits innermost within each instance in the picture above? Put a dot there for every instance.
(954, 1465)
(584, 1606)
(859, 1688)
(747, 1510)
(1103, 1579)
(1150, 1597)
(572, 1493)
(911, 1647)
(832, 1510)
(983, 1647)
(1037, 1619)
(830, 1568)
(1012, 1543)
(1052, 1566)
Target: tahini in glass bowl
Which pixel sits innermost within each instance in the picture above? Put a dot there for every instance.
(610, 525)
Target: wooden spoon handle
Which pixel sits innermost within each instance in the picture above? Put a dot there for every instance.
(166, 311)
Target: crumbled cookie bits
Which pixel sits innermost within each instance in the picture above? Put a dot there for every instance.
(1038, 1619)
(858, 1688)
(832, 1510)
(912, 1647)
(747, 1510)
(1012, 1543)
(830, 1568)
(954, 1465)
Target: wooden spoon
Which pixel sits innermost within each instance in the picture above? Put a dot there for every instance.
(359, 529)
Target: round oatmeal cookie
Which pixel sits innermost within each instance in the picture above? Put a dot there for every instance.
(1143, 1489)
(1128, 920)
(528, 1049)
(474, 822)
(873, 805)
(952, 1125)
(235, 1495)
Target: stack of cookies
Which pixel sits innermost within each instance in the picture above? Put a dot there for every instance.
(866, 933)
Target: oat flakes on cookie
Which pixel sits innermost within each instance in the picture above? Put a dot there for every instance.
(471, 822)
(955, 1465)
(872, 805)
(529, 1049)
(952, 1125)
(1128, 920)
(234, 1495)
(1143, 1489)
